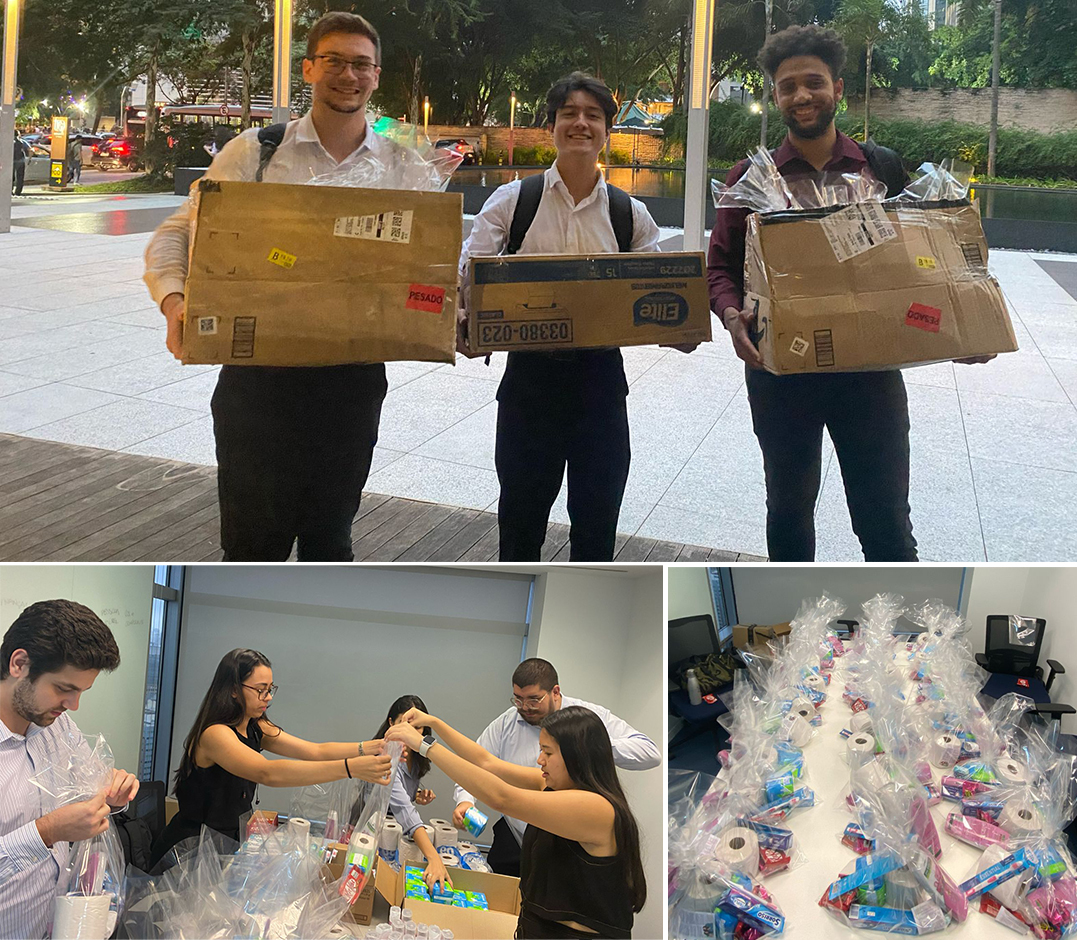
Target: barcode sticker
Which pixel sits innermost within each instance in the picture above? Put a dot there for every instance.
(799, 347)
(925, 262)
(207, 326)
(281, 258)
(383, 227)
(857, 228)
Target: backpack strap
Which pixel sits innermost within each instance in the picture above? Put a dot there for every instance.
(621, 217)
(531, 188)
(270, 138)
(886, 165)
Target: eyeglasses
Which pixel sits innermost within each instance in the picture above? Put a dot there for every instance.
(334, 65)
(263, 694)
(531, 702)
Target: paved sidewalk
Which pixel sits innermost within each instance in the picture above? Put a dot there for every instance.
(994, 448)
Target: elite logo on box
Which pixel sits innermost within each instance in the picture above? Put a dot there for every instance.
(662, 307)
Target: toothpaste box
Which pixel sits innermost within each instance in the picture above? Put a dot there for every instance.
(753, 910)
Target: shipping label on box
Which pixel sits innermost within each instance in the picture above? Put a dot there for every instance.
(295, 275)
(548, 302)
(872, 287)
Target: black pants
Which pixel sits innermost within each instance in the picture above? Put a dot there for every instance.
(294, 447)
(17, 182)
(504, 854)
(536, 437)
(867, 415)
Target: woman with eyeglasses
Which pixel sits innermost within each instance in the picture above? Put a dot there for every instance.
(581, 873)
(223, 764)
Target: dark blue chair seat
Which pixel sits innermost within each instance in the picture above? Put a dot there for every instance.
(998, 684)
(698, 719)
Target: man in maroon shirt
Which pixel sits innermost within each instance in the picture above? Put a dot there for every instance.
(866, 413)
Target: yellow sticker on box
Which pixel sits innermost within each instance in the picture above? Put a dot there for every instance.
(925, 262)
(281, 258)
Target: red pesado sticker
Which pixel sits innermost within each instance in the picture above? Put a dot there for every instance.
(924, 317)
(424, 297)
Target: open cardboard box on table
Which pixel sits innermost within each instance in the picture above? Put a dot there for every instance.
(551, 302)
(502, 895)
(749, 635)
(865, 287)
(296, 275)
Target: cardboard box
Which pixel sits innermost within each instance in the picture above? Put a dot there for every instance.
(363, 907)
(551, 302)
(292, 275)
(748, 635)
(860, 288)
(497, 923)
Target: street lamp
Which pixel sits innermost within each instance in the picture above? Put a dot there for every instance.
(426, 116)
(695, 147)
(7, 107)
(282, 61)
(512, 125)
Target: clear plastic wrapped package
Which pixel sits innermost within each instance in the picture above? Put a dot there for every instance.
(91, 888)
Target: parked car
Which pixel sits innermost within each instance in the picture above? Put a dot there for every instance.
(37, 165)
(461, 146)
(118, 153)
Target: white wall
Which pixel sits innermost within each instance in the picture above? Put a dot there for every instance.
(604, 633)
(772, 594)
(346, 642)
(993, 591)
(121, 595)
(689, 591)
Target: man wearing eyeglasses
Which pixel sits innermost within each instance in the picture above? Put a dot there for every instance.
(294, 445)
(514, 736)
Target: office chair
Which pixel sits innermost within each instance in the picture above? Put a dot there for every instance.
(1013, 666)
(688, 637)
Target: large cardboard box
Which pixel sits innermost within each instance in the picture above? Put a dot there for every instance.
(363, 907)
(293, 275)
(551, 302)
(497, 923)
(749, 635)
(862, 288)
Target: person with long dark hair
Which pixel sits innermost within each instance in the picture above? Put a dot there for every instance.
(581, 874)
(223, 764)
(407, 792)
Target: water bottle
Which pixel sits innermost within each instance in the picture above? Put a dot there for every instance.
(695, 697)
(394, 914)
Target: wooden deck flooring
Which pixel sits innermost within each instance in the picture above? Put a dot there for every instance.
(60, 502)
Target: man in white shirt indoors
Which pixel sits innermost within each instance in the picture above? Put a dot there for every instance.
(514, 736)
(294, 445)
(568, 406)
(50, 655)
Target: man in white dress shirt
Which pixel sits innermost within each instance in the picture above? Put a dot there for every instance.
(50, 655)
(294, 445)
(514, 736)
(567, 407)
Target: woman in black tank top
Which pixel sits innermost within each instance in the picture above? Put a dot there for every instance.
(223, 765)
(580, 870)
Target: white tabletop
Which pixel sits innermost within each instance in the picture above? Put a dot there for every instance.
(819, 830)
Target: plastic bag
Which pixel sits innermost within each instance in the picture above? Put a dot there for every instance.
(90, 890)
(1022, 630)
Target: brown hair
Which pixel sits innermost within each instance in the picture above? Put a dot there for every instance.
(340, 22)
(813, 40)
(535, 672)
(59, 633)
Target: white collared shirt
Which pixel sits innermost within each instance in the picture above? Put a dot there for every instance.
(561, 225)
(512, 739)
(299, 157)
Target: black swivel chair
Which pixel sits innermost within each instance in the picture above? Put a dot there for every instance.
(693, 636)
(1014, 666)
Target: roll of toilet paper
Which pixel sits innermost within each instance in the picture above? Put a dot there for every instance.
(738, 847)
(859, 749)
(390, 837)
(444, 835)
(81, 918)
(409, 851)
(1021, 817)
(449, 859)
(902, 889)
(807, 712)
(871, 775)
(814, 681)
(803, 706)
(945, 750)
(439, 822)
(861, 721)
(299, 827)
(1012, 771)
(1011, 891)
(796, 729)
